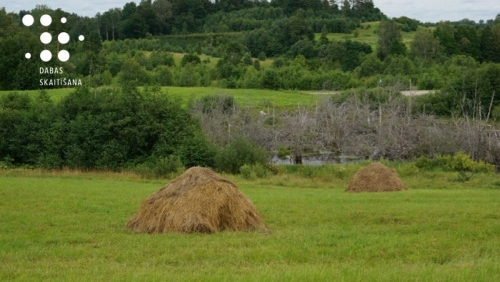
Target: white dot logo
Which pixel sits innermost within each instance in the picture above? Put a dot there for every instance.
(63, 55)
(46, 20)
(28, 20)
(46, 55)
(46, 38)
(63, 38)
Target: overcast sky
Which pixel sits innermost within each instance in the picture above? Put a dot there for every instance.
(422, 10)
(437, 10)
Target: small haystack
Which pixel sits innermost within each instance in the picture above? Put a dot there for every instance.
(197, 201)
(375, 177)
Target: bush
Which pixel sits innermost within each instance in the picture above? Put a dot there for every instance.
(462, 162)
(164, 76)
(463, 176)
(459, 162)
(262, 56)
(340, 172)
(409, 169)
(190, 59)
(167, 167)
(283, 152)
(254, 171)
(238, 153)
(188, 76)
(6, 163)
(217, 103)
(429, 164)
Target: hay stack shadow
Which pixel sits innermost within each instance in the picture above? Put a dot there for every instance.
(375, 177)
(197, 201)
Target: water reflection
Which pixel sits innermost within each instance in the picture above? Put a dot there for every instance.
(316, 159)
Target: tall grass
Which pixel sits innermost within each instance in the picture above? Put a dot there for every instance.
(72, 227)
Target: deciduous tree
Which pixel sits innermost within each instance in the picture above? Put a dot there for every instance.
(389, 39)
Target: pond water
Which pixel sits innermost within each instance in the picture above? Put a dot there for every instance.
(317, 159)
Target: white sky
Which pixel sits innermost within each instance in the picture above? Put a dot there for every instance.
(440, 10)
(422, 10)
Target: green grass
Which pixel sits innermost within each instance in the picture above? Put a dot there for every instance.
(55, 94)
(71, 227)
(367, 34)
(244, 97)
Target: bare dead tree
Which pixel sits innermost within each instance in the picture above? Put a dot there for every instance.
(356, 127)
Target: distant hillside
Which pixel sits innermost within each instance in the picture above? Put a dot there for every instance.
(367, 33)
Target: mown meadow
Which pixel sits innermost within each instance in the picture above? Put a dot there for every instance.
(243, 97)
(65, 224)
(70, 225)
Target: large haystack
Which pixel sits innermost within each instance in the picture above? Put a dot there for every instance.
(375, 177)
(197, 201)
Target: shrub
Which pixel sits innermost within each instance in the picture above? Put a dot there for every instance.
(283, 152)
(256, 64)
(463, 176)
(409, 169)
(462, 162)
(496, 113)
(163, 167)
(340, 172)
(262, 56)
(190, 59)
(254, 171)
(247, 60)
(188, 76)
(429, 164)
(6, 163)
(164, 76)
(160, 58)
(459, 162)
(238, 153)
(222, 103)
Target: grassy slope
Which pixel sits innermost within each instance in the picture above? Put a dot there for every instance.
(71, 227)
(244, 97)
(367, 34)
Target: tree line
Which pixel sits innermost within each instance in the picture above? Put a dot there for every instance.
(147, 132)
(107, 129)
(456, 58)
(161, 17)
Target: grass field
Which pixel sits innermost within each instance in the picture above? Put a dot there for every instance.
(69, 226)
(55, 94)
(367, 34)
(244, 97)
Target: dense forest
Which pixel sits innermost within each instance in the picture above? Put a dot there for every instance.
(280, 44)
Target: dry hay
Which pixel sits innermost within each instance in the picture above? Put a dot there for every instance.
(197, 201)
(375, 177)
